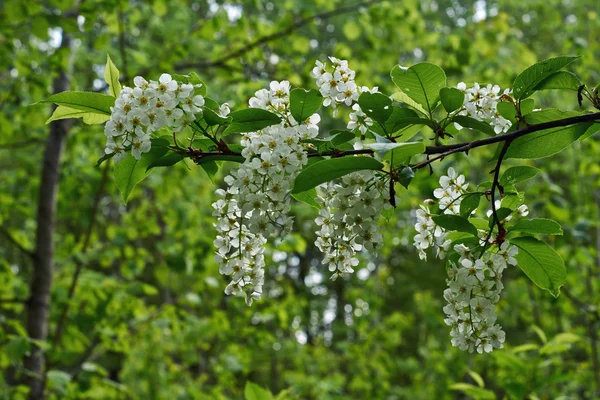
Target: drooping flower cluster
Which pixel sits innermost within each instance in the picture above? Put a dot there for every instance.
(338, 86)
(449, 195)
(146, 108)
(256, 204)
(474, 287)
(348, 219)
(481, 103)
(474, 276)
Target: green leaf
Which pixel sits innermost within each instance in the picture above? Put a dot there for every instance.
(254, 392)
(513, 200)
(167, 160)
(212, 118)
(502, 213)
(540, 226)
(304, 103)
(469, 203)
(406, 176)
(526, 106)
(518, 174)
(211, 168)
(307, 197)
(472, 123)
(593, 129)
(251, 120)
(129, 171)
(111, 76)
(90, 118)
(507, 110)
(376, 105)
(327, 170)
(541, 264)
(455, 223)
(527, 81)
(104, 158)
(549, 141)
(452, 99)
(85, 101)
(421, 82)
(16, 348)
(403, 98)
(560, 80)
(194, 79)
(398, 152)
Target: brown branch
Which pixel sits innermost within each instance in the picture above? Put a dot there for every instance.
(446, 150)
(220, 62)
(15, 243)
(496, 185)
(63, 317)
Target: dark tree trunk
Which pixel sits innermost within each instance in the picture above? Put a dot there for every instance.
(39, 303)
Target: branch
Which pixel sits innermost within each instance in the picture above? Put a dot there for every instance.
(18, 245)
(496, 185)
(220, 62)
(197, 154)
(464, 147)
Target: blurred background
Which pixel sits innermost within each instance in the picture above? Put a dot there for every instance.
(147, 317)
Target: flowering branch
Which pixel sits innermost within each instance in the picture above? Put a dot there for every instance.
(465, 147)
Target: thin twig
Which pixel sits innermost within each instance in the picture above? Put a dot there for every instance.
(15, 243)
(220, 62)
(496, 185)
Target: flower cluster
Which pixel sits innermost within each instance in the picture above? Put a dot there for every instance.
(474, 274)
(338, 86)
(347, 219)
(474, 287)
(481, 103)
(146, 108)
(449, 195)
(256, 204)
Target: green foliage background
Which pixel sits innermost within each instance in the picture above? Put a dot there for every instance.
(149, 318)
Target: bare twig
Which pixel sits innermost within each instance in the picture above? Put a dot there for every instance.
(220, 62)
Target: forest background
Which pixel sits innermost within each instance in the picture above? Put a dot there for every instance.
(137, 305)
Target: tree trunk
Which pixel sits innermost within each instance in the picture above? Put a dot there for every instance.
(39, 302)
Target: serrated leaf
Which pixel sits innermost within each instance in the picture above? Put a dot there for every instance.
(472, 123)
(167, 160)
(251, 120)
(327, 170)
(90, 118)
(452, 99)
(469, 203)
(307, 197)
(541, 264)
(455, 223)
(527, 81)
(549, 141)
(560, 80)
(521, 173)
(376, 105)
(507, 110)
(403, 98)
(421, 82)
(212, 118)
(129, 171)
(593, 129)
(111, 76)
(539, 226)
(397, 152)
(85, 101)
(304, 103)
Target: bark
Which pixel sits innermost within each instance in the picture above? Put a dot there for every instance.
(39, 302)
